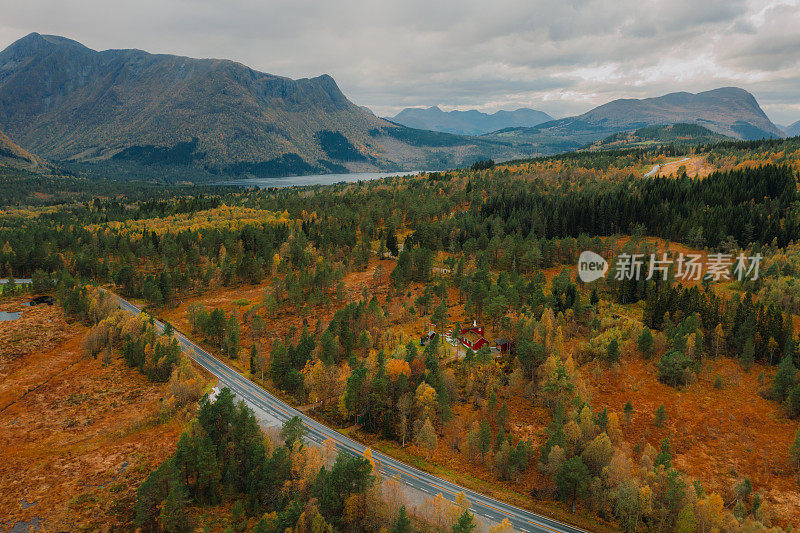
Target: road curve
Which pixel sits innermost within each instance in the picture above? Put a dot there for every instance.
(482, 506)
(656, 168)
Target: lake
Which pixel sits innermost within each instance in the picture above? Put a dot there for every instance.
(314, 179)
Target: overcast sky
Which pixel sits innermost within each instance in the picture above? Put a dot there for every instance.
(561, 56)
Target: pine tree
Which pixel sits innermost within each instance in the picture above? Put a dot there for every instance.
(465, 523)
(484, 439)
(491, 403)
(253, 360)
(794, 401)
(747, 357)
(502, 417)
(594, 298)
(391, 241)
(238, 518)
(572, 480)
(612, 352)
(628, 410)
(293, 431)
(783, 382)
(173, 516)
(403, 522)
(645, 341)
(794, 450)
(664, 456)
(661, 416)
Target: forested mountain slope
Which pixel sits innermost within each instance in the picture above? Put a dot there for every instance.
(68, 102)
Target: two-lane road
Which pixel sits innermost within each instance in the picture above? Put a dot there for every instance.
(261, 400)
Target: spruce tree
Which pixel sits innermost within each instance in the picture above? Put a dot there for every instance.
(403, 522)
(783, 382)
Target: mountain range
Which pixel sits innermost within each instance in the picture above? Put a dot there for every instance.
(793, 130)
(68, 102)
(470, 122)
(729, 111)
(132, 111)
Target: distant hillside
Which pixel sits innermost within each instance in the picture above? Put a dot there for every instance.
(13, 155)
(793, 130)
(690, 134)
(470, 122)
(728, 111)
(129, 107)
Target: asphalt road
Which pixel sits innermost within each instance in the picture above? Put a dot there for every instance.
(276, 408)
(656, 168)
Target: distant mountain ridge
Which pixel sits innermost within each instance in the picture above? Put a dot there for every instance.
(471, 122)
(68, 102)
(793, 130)
(729, 111)
(123, 109)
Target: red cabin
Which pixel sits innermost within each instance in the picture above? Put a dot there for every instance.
(472, 337)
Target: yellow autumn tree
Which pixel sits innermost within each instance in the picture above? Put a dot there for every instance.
(458, 507)
(437, 512)
(426, 437)
(548, 322)
(185, 386)
(710, 512)
(306, 462)
(328, 450)
(396, 367)
(317, 377)
(392, 496)
(597, 453)
(311, 520)
(613, 428)
(425, 402)
(355, 509)
(371, 460)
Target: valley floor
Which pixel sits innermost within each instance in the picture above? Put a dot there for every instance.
(79, 434)
(713, 441)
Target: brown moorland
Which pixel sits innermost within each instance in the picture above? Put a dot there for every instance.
(79, 435)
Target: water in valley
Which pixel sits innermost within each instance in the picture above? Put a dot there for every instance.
(314, 179)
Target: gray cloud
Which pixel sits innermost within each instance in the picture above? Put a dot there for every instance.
(561, 56)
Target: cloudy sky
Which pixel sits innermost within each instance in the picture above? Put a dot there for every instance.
(560, 56)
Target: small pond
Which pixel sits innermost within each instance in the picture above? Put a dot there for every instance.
(6, 317)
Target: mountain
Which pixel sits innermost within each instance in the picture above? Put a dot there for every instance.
(70, 103)
(729, 111)
(793, 130)
(691, 134)
(470, 122)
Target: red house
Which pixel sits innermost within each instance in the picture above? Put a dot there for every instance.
(472, 337)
